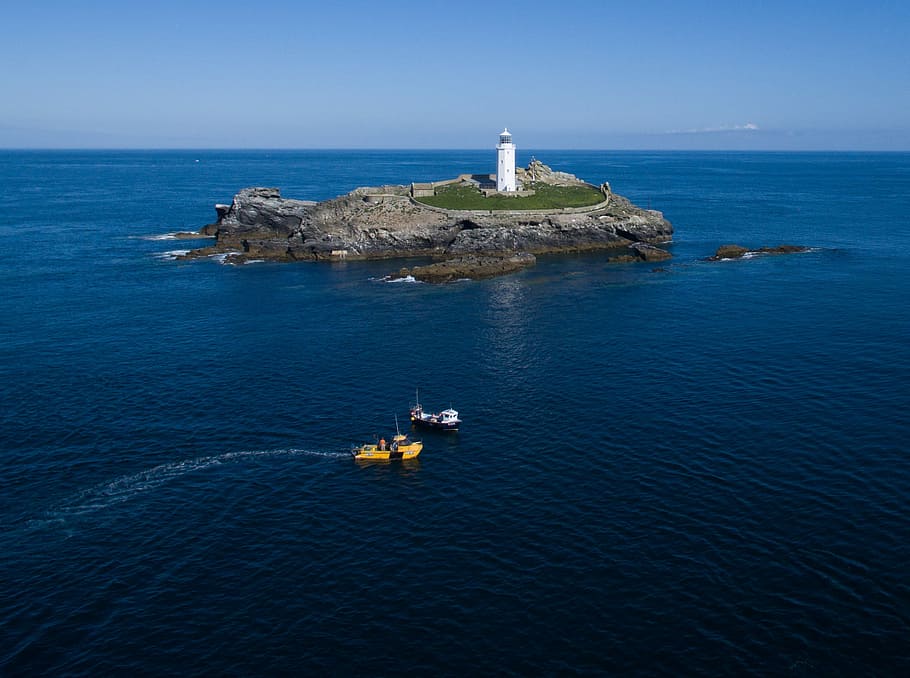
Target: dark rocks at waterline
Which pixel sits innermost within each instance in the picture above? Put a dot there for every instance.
(783, 249)
(641, 252)
(729, 252)
(189, 235)
(471, 267)
(738, 251)
(646, 252)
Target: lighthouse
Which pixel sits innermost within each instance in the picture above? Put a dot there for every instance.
(505, 165)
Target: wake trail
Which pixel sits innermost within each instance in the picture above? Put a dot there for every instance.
(124, 488)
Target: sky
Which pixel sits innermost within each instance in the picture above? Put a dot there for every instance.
(586, 74)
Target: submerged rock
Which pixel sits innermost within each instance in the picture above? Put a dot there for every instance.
(783, 249)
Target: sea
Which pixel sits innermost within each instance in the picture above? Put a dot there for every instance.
(688, 468)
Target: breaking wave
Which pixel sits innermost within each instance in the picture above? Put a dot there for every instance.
(171, 255)
(176, 235)
(224, 257)
(395, 279)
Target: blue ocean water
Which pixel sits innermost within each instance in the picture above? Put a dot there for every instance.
(696, 469)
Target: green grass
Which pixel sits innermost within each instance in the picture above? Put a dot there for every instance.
(467, 197)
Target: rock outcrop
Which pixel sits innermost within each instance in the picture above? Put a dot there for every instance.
(738, 251)
(641, 252)
(647, 252)
(469, 266)
(536, 171)
(385, 222)
(729, 252)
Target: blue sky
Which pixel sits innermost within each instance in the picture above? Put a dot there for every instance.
(395, 74)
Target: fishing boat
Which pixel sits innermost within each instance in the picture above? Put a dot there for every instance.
(446, 420)
(400, 447)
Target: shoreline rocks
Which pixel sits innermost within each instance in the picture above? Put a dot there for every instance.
(641, 252)
(189, 235)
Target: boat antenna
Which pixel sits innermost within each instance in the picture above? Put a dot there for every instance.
(397, 432)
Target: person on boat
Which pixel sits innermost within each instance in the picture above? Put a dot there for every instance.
(382, 443)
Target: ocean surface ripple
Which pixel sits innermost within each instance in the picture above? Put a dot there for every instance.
(700, 469)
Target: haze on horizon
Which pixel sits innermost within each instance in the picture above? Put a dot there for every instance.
(580, 74)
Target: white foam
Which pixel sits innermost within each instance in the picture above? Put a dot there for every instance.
(222, 257)
(395, 279)
(176, 235)
(171, 255)
(254, 261)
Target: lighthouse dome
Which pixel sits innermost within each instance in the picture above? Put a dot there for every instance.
(505, 137)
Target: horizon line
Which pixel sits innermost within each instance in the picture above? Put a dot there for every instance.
(447, 150)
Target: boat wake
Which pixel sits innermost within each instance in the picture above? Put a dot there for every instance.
(123, 489)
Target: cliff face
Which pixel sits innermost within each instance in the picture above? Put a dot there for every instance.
(377, 223)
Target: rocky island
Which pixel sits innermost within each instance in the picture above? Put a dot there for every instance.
(468, 226)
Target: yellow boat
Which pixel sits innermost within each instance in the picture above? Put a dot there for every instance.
(400, 448)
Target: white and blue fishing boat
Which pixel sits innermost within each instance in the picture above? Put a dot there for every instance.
(445, 420)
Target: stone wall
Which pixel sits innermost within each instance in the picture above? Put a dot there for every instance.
(487, 192)
(422, 190)
(378, 198)
(426, 190)
(487, 213)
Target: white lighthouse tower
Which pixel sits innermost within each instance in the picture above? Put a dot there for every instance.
(505, 166)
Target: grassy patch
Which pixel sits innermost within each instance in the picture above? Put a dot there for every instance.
(468, 197)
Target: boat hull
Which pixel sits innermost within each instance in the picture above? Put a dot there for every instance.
(373, 452)
(446, 420)
(426, 422)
